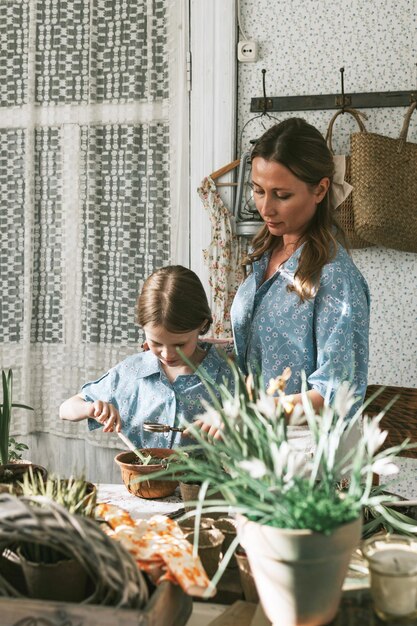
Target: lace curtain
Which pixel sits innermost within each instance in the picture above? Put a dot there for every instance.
(84, 190)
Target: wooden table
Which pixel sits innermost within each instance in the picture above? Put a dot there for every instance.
(139, 507)
(356, 608)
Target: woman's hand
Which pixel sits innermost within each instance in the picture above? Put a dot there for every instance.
(106, 414)
(212, 431)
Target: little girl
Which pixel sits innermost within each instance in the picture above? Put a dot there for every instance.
(157, 385)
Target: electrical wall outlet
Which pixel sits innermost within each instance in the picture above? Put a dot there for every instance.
(247, 51)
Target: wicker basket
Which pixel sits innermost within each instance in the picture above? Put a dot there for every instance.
(117, 580)
(401, 419)
(384, 179)
(344, 212)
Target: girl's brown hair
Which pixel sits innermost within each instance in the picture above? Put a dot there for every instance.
(173, 297)
(302, 149)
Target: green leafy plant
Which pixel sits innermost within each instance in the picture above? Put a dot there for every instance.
(9, 449)
(262, 476)
(15, 449)
(387, 518)
(74, 494)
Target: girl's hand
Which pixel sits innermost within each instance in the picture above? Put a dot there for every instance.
(213, 432)
(106, 414)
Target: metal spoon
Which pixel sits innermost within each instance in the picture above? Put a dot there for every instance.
(151, 427)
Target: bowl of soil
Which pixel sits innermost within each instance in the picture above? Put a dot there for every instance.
(133, 468)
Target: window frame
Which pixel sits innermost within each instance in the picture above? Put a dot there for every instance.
(213, 101)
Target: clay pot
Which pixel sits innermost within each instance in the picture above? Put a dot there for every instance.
(187, 526)
(227, 526)
(209, 548)
(64, 581)
(246, 577)
(11, 570)
(299, 573)
(189, 493)
(12, 473)
(159, 488)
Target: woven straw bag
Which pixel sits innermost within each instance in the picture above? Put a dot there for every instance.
(384, 179)
(344, 211)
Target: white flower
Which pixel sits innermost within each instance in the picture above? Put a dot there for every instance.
(288, 462)
(297, 417)
(373, 436)
(254, 467)
(211, 417)
(231, 409)
(266, 405)
(385, 467)
(298, 464)
(344, 399)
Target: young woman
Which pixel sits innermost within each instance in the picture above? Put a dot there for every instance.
(157, 385)
(305, 305)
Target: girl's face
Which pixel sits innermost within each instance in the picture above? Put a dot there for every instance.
(164, 344)
(285, 203)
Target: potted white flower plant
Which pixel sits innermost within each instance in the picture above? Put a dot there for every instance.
(297, 520)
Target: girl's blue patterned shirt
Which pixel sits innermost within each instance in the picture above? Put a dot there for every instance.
(139, 388)
(326, 336)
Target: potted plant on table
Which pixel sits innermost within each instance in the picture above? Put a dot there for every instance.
(12, 468)
(296, 522)
(51, 572)
(138, 467)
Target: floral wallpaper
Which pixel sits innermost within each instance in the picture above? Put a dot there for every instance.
(303, 44)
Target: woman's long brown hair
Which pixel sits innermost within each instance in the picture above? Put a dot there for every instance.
(302, 149)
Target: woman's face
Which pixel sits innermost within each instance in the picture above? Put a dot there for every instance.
(164, 344)
(285, 203)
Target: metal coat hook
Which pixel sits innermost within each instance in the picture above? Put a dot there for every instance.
(342, 71)
(343, 101)
(264, 92)
(265, 105)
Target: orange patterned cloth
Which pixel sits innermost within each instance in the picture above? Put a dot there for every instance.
(158, 546)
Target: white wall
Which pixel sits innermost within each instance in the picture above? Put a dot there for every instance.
(303, 44)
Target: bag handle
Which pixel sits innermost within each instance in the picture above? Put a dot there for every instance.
(357, 115)
(406, 124)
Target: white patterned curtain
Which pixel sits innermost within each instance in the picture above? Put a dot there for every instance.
(84, 190)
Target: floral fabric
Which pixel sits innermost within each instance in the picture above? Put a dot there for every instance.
(140, 390)
(326, 336)
(223, 257)
(158, 546)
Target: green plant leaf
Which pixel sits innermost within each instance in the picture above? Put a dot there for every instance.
(6, 416)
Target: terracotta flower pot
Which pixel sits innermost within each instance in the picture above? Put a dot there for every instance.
(12, 473)
(299, 573)
(64, 581)
(11, 570)
(189, 493)
(159, 488)
(209, 548)
(227, 526)
(187, 525)
(246, 577)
